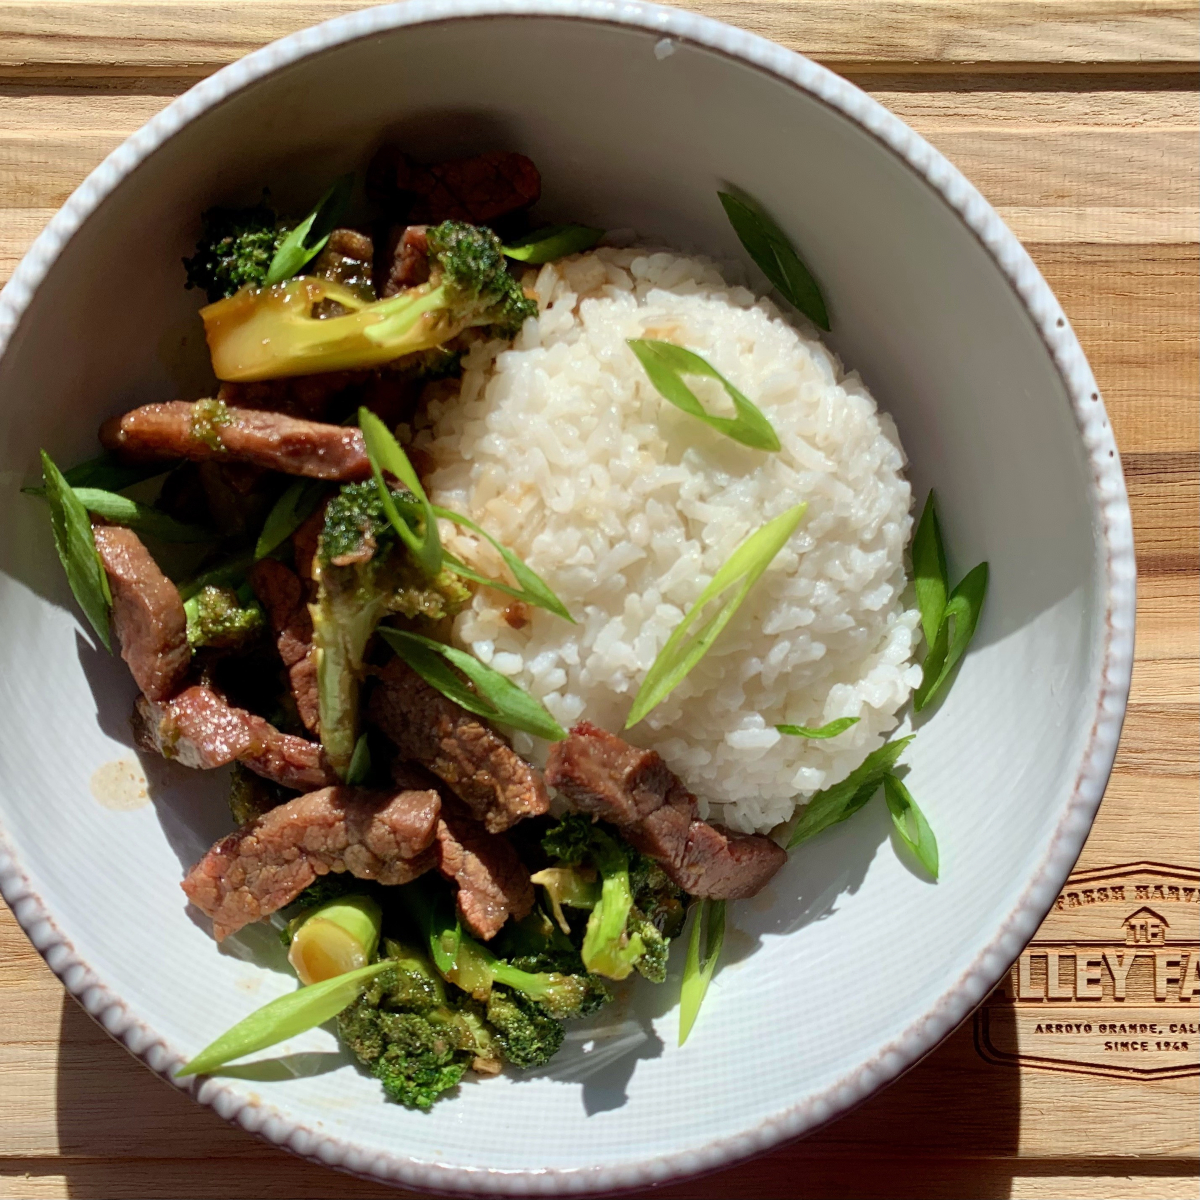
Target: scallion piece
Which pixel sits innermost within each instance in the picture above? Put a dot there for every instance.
(842, 800)
(359, 770)
(931, 578)
(955, 632)
(553, 241)
(284, 1017)
(495, 697)
(120, 510)
(77, 549)
(297, 503)
(776, 257)
(665, 364)
(910, 824)
(697, 971)
(822, 731)
(385, 454)
(309, 238)
(533, 588)
(682, 653)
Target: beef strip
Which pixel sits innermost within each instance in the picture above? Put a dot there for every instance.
(347, 260)
(599, 774)
(493, 883)
(147, 612)
(479, 189)
(281, 594)
(480, 767)
(200, 729)
(407, 263)
(384, 836)
(208, 429)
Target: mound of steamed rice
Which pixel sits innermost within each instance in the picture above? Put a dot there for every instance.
(626, 506)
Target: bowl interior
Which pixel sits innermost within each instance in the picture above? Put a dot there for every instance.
(847, 949)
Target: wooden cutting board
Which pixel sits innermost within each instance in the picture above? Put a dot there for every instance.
(1078, 119)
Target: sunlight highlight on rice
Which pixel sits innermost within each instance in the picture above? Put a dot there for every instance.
(564, 451)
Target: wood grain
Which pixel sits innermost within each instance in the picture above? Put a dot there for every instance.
(175, 37)
(1077, 118)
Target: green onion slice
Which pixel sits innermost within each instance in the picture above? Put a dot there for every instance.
(698, 972)
(930, 575)
(297, 503)
(681, 653)
(776, 257)
(77, 549)
(495, 698)
(359, 769)
(844, 799)
(120, 510)
(110, 473)
(553, 241)
(909, 821)
(385, 454)
(533, 588)
(308, 239)
(666, 364)
(955, 632)
(822, 731)
(284, 1017)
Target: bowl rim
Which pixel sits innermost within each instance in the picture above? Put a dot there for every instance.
(1111, 515)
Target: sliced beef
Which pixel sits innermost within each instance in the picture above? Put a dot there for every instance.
(304, 545)
(604, 776)
(493, 883)
(147, 612)
(209, 429)
(282, 596)
(407, 264)
(480, 767)
(200, 729)
(384, 836)
(347, 260)
(479, 189)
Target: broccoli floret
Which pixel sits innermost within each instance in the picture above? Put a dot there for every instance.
(222, 618)
(274, 332)
(638, 911)
(415, 1042)
(528, 1036)
(235, 249)
(363, 573)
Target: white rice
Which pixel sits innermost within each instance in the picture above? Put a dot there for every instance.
(564, 451)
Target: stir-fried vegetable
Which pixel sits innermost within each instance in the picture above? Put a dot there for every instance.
(272, 333)
(698, 969)
(336, 938)
(308, 239)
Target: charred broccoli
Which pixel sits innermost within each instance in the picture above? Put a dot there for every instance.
(362, 574)
(527, 1034)
(235, 250)
(223, 618)
(273, 332)
(638, 909)
(415, 1042)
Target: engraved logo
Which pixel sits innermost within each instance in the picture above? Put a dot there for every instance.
(1110, 983)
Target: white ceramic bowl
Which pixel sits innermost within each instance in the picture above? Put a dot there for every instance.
(849, 968)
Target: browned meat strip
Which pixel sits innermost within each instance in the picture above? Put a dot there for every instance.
(347, 259)
(385, 836)
(147, 612)
(304, 546)
(408, 262)
(604, 776)
(479, 189)
(493, 883)
(281, 594)
(210, 429)
(481, 768)
(199, 729)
